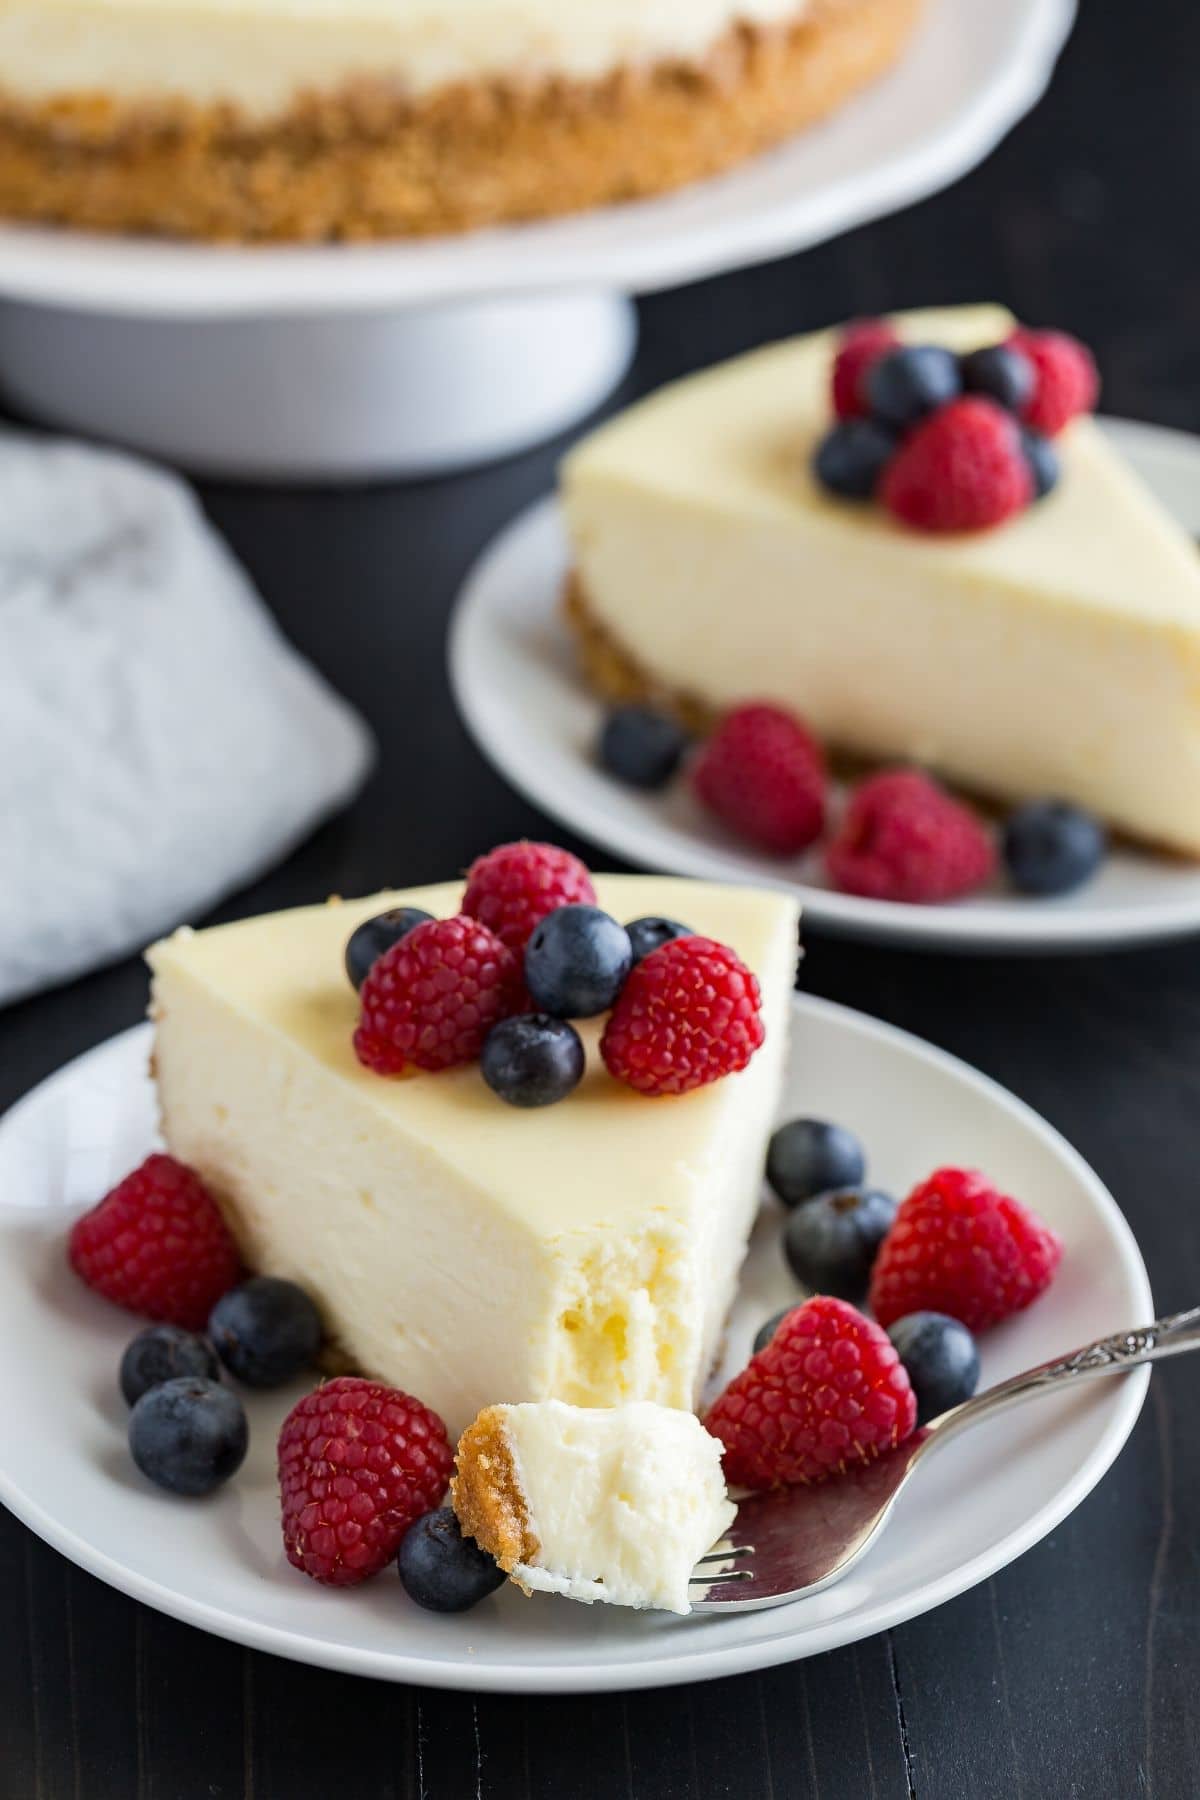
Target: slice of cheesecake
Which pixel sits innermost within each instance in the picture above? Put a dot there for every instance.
(459, 1247)
(1058, 654)
(601, 1503)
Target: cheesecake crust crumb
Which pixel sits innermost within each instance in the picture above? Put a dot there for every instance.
(367, 162)
(615, 673)
(486, 1493)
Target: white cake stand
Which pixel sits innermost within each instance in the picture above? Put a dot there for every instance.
(346, 362)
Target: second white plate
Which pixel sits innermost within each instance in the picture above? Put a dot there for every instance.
(518, 689)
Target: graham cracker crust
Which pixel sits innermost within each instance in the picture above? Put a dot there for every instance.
(366, 162)
(486, 1494)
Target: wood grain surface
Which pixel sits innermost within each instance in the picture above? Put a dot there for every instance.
(1076, 1671)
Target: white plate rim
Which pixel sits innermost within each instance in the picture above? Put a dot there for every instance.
(651, 1671)
(656, 243)
(1025, 927)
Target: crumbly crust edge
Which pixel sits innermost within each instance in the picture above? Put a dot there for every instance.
(486, 1493)
(367, 162)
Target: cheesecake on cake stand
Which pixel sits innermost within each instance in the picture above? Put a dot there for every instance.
(264, 359)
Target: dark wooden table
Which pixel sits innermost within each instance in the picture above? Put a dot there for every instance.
(1077, 1670)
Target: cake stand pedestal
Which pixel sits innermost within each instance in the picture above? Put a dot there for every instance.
(355, 361)
(408, 393)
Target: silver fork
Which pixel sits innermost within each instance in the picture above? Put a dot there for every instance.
(795, 1541)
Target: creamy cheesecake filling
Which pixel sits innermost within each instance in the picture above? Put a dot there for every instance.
(611, 1504)
(1058, 654)
(258, 55)
(458, 1247)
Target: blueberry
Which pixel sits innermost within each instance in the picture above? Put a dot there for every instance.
(641, 747)
(162, 1353)
(941, 1359)
(1043, 462)
(832, 1241)
(188, 1435)
(765, 1333)
(532, 1060)
(852, 456)
(1051, 847)
(441, 1569)
(1001, 373)
(376, 935)
(907, 383)
(265, 1331)
(576, 962)
(646, 935)
(808, 1157)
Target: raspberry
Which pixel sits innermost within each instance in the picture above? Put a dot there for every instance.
(960, 1247)
(1066, 381)
(905, 838)
(689, 1013)
(763, 774)
(431, 999)
(158, 1245)
(358, 1463)
(862, 343)
(828, 1391)
(513, 887)
(962, 469)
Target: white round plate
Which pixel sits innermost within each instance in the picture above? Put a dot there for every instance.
(518, 688)
(219, 1563)
(970, 74)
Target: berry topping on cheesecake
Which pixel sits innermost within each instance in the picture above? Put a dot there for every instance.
(512, 888)
(650, 934)
(863, 343)
(533, 1059)
(368, 943)
(689, 1014)
(962, 469)
(430, 1001)
(450, 992)
(951, 443)
(576, 962)
(1065, 380)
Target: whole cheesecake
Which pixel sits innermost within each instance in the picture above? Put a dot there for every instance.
(1057, 654)
(459, 1248)
(308, 119)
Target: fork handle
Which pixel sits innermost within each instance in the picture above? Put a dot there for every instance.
(1115, 1355)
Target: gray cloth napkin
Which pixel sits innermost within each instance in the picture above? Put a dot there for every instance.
(160, 742)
